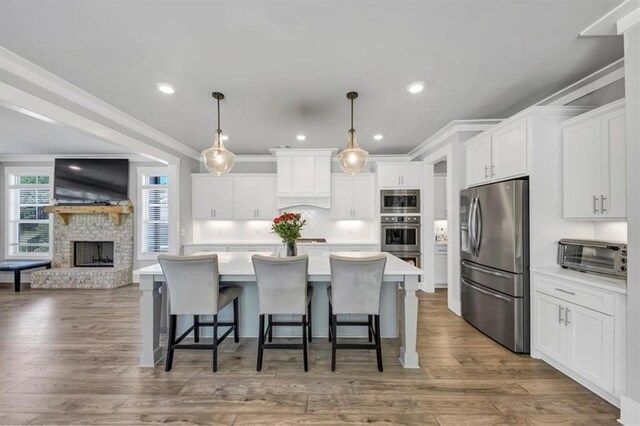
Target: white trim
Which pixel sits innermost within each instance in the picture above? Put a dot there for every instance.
(629, 21)
(301, 152)
(601, 82)
(450, 129)
(140, 173)
(629, 411)
(38, 158)
(608, 24)
(15, 64)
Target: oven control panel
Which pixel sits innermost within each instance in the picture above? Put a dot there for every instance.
(400, 219)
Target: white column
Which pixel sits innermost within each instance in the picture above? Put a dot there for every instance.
(150, 303)
(408, 353)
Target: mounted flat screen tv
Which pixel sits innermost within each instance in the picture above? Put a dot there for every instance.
(91, 181)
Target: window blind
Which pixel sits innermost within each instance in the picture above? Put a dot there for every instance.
(28, 225)
(155, 214)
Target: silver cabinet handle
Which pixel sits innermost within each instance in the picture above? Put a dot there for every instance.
(602, 200)
(560, 309)
(211, 215)
(486, 171)
(566, 316)
(214, 212)
(595, 204)
(493, 170)
(565, 291)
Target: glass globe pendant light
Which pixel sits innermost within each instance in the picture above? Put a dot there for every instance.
(352, 159)
(218, 159)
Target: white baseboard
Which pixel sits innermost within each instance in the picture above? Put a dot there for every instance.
(629, 411)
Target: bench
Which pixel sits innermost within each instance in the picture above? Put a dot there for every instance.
(17, 266)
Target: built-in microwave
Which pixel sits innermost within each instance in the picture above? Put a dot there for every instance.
(400, 201)
(602, 257)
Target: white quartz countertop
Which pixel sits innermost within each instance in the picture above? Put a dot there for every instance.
(598, 281)
(278, 242)
(239, 264)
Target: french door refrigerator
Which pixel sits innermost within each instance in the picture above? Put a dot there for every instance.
(494, 251)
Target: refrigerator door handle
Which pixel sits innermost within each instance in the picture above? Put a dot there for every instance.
(488, 293)
(472, 225)
(478, 226)
(486, 271)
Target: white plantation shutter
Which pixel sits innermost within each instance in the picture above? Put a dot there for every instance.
(28, 226)
(154, 205)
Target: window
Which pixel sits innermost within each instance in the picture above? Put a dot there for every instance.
(29, 228)
(154, 212)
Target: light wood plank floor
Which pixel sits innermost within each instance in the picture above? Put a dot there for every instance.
(70, 357)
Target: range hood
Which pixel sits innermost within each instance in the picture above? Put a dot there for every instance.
(304, 177)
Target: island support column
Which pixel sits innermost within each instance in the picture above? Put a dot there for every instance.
(150, 306)
(408, 353)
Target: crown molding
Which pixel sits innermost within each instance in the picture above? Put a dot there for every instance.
(32, 73)
(450, 129)
(616, 21)
(40, 158)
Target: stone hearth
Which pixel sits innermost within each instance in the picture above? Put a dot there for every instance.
(88, 227)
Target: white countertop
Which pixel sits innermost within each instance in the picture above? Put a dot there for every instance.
(277, 243)
(239, 264)
(598, 281)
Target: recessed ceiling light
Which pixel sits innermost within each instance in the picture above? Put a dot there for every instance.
(225, 137)
(301, 137)
(378, 137)
(166, 88)
(416, 87)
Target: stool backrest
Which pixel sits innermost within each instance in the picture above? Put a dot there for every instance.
(193, 283)
(356, 283)
(282, 283)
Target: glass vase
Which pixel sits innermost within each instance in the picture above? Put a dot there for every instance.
(291, 249)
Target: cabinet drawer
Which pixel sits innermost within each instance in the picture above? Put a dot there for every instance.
(198, 249)
(355, 248)
(253, 249)
(574, 293)
(441, 250)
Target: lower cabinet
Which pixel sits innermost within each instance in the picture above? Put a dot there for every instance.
(440, 266)
(583, 342)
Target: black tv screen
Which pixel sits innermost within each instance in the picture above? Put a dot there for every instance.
(86, 181)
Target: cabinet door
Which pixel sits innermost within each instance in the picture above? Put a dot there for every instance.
(479, 161)
(245, 197)
(410, 177)
(389, 176)
(364, 197)
(202, 197)
(284, 165)
(549, 326)
(613, 165)
(267, 203)
(440, 197)
(303, 175)
(509, 151)
(581, 170)
(341, 197)
(222, 189)
(321, 171)
(440, 269)
(590, 345)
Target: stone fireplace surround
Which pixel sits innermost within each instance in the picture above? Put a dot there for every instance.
(88, 227)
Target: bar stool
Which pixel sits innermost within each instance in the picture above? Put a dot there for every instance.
(282, 289)
(355, 289)
(193, 284)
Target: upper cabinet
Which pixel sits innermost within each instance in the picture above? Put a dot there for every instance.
(255, 197)
(440, 197)
(399, 175)
(353, 197)
(593, 160)
(304, 173)
(212, 197)
(498, 154)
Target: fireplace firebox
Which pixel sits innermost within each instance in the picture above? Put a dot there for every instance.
(93, 254)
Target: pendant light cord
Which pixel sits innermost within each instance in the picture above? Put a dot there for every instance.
(218, 113)
(351, 114)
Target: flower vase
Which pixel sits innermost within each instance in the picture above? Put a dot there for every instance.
(292, 249)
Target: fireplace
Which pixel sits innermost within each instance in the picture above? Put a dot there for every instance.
(93, 254)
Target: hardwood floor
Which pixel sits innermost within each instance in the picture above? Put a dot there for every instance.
(70, 357)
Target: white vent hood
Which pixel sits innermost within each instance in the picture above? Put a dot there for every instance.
(304, 177)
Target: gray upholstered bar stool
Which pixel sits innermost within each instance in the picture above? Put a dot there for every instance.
(282, 289)
(193, 284)
(355, 289)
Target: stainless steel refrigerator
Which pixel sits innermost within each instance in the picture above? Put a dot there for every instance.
(494, 225)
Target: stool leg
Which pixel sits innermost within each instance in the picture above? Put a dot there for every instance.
(334, 320)
(196, 328)
(330, 320)
(215, 343)
(309, 322)
(236, 330)
(260, 342)
(16, 281)
(370, 326)
(170, 340)
(270, 325)
(304, 342)
(378, 342)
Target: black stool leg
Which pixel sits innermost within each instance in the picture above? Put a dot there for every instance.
(16, 281)
(334, 319)
(304, 342)
(196, 328)
(215, 343)
(170, 341)
(270, 325)
(330, 320)
(370, 326)
(260, 342)
(236, 330)
(378, 342)
(309, 322)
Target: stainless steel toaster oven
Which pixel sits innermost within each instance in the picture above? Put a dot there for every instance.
(602, 257)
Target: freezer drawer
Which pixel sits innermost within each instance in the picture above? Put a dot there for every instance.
(497, 315)
(504, 282)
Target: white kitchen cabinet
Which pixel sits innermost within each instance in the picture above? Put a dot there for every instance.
(255, 197)
(550, 332)
(399, 175)
(479, 161)
(254, 249)
(440, 197)
(212, 197)
(440, 265)
(304, 173)
(192, 249)
(594, 172)
(354, 247)
(353, 197)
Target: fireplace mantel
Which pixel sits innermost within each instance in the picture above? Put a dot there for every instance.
(114, 212)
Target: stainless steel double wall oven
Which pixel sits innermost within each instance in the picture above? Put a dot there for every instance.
(399, 224)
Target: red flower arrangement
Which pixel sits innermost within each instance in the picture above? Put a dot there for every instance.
(287, 226)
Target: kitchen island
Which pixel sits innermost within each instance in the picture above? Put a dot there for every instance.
(237, 268)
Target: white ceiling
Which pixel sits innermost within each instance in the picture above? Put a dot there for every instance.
(286, 66)
(21, 134)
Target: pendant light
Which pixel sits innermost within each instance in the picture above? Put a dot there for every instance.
(352, 158)
(218, 159)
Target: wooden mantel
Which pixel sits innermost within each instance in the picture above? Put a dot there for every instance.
(114, 212)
